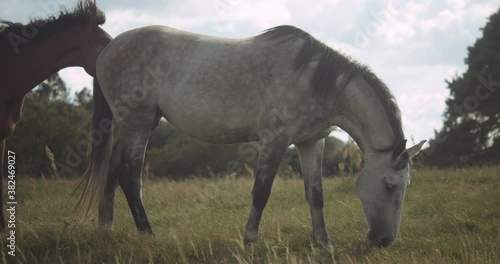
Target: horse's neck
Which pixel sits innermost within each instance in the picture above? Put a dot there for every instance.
(73, 47)
(21, 72)
(362, 115)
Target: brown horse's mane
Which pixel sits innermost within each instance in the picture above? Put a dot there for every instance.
(84, 13)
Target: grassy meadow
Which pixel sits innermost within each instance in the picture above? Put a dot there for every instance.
(449, 216)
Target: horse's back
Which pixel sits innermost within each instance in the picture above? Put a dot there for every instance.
(215, 89)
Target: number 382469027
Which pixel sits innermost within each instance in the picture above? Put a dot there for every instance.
(11, 175)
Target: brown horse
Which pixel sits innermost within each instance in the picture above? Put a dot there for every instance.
(30, 53)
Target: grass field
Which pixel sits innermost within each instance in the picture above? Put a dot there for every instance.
(449, 216)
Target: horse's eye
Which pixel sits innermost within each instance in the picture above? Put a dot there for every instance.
(390, 187)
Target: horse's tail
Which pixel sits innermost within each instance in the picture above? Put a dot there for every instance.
(99, 155)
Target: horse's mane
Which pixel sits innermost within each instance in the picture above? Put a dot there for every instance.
(84, 13)
(332, 65)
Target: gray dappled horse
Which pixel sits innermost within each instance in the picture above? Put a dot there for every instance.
(281, 87)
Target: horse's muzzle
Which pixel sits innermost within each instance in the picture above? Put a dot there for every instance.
(379, 238)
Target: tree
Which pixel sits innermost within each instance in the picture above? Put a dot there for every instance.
(48, 119)
(54, 88)
(471, 120)
(84, 98)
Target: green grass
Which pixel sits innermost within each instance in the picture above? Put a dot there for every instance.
(449, 216)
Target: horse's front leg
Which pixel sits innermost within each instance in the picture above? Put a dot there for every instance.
(311, 156)
(270, 157)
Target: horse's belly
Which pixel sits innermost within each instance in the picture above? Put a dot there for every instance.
(228, 136)
(216, 135)
(210, 121)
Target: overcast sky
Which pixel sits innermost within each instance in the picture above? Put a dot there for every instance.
(413, 46)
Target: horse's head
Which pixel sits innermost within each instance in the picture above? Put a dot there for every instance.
(381, 188)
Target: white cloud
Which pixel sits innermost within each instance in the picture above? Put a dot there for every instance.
(121, 20)
(306, 10)
(422, 98)
(440, 22)
(227, 27)
(399, 33)
(262, 14)
(457, 16)
(76, 78)
(401, 24)
(456, 4)
(478, 12)
(392, 24)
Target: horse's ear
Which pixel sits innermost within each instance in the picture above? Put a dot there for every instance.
(398, 149)
(402, 159)
(415, 149)
(94, 13)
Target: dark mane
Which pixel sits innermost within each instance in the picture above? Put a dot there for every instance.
(331, 65)
(84, 13)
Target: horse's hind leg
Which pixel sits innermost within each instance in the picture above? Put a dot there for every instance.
(133, 138)
(311, 155)
(129, 177)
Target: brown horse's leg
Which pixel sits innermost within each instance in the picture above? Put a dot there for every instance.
(2, 150)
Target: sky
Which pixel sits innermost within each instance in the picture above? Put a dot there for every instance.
(413, 46)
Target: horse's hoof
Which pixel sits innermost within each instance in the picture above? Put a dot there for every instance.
(323, 243)
(250, 238)
(147, 231)
(105, 227)
(322, 240)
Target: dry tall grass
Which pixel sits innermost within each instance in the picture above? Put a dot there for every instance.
(450, 216)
